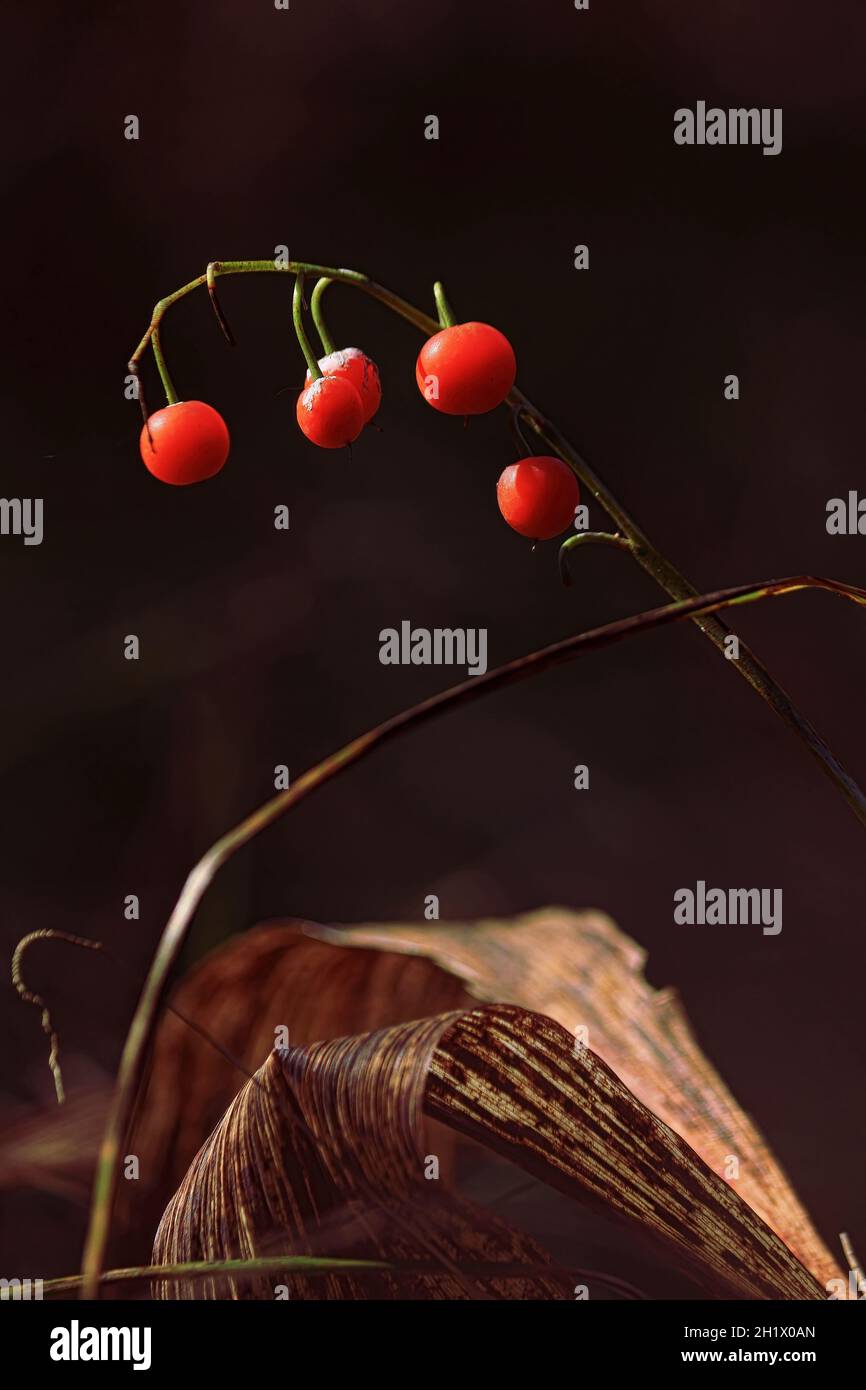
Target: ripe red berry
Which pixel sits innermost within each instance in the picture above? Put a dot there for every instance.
(360, 370)
(330, 412)
(190, 443)
(538, 496)
(466, 370)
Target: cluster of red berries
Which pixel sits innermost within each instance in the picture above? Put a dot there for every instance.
(333, 409)
(466, 369)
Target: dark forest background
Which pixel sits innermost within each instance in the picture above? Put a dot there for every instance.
(305, 127)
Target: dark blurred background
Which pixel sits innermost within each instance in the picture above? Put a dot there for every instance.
(306, 127)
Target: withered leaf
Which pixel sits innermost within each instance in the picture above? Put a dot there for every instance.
(320, 1153)
(580, 969)
(325, 1143)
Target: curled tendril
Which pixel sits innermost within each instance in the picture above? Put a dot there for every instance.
(589, 538)
(30, 997)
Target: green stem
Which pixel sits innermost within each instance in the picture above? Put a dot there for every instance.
(135, 1049)
(309, 1266)
(206, 1269)
(443, 308)
(328, 344)
(298, 320)
(167, 383)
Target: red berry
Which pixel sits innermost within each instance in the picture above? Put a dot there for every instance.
(466, 370)
(361, 370)
(330, 412)
(190, 443)
(538, 496)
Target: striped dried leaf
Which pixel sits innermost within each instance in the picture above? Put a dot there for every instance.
(320, 1153)
(581, 970)
(324, 1148)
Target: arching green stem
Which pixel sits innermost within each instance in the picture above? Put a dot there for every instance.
(328, 344)
(298, 319)
(443, 308)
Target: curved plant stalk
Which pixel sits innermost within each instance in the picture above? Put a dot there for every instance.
(173, 936)
(666, 575)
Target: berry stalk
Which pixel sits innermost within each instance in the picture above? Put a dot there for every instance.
(447, 318)
(328, 344)
(300, 330)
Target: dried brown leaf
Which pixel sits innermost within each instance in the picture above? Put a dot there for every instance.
(326, 1141)
(321, 1153)
(580, 969)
